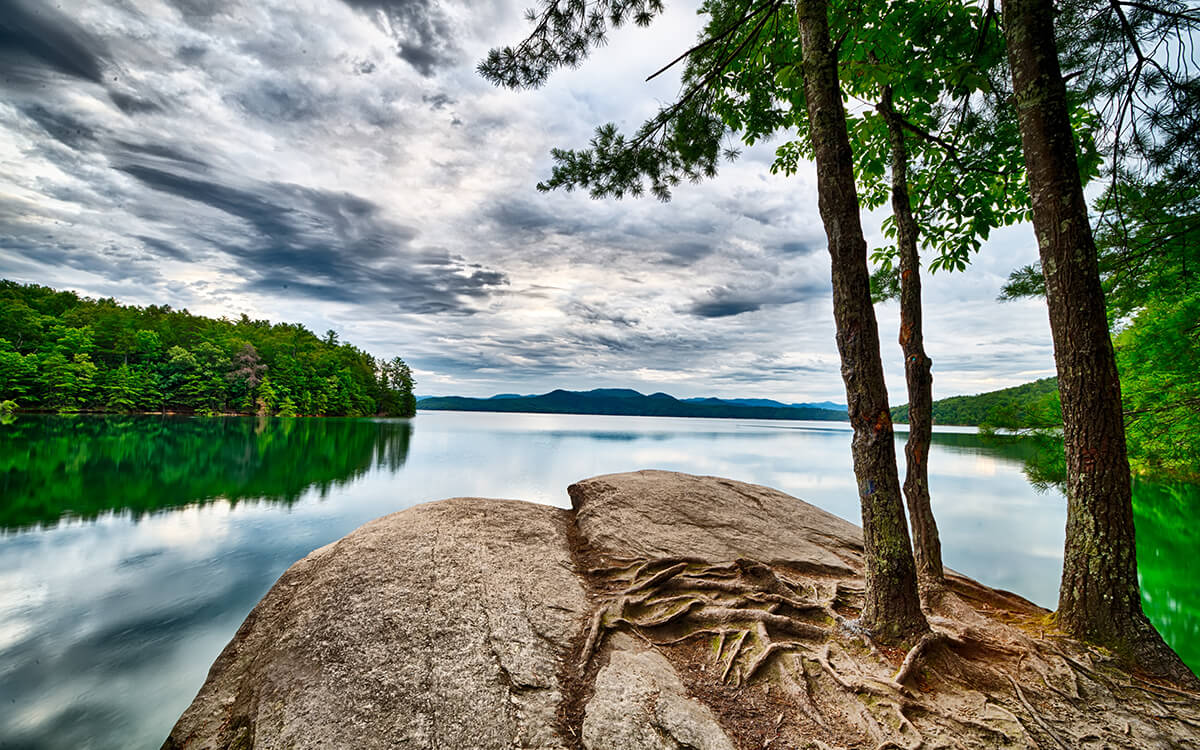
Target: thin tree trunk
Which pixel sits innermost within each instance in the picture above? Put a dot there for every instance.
(1099, 599)
(927, 545)
(892, 611)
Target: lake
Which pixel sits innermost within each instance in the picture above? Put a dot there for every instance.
(131, 548)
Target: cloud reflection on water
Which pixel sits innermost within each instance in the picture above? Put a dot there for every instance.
(108, 626)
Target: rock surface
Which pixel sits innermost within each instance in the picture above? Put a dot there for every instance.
(639, 703)
(647, 514)
(665, 611)
(442, 626)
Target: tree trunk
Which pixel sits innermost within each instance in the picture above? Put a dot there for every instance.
(892, 611)
(1099, 599)
(927, 546)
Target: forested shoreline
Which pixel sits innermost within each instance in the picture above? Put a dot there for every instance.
(62, 352)
(1020, 403)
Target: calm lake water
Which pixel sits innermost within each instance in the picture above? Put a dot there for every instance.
(132, 548)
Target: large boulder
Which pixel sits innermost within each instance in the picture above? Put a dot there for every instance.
(442, 626)
(664, 611)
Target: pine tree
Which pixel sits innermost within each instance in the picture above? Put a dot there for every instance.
(684, 142)
(1099, 599)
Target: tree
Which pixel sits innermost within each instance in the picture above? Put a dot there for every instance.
(892, 606)
(287, 408)
(918, 368)
(247, 373)
(396, 387)
(68, 373)
(182, 387)
(146, 346)
(212, 365)
(939, 126)
(267, 399)
(22, 325)
(1099, 599)
(69, 380)
(680, 143)
(121, 389)
(928, 69)
(17, 372)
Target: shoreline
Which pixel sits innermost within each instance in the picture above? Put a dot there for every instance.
(104, 413)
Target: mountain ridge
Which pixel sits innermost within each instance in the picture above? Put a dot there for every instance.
(628, 402)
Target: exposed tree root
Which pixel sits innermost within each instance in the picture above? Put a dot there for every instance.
(912, 660)
(1037, 715)
(733, 654)
(765, 655)
(973, 682)
(657, 578)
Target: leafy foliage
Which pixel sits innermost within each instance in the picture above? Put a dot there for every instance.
(741, 80)
(63, 352)
(1134, 62)
(1159, 358)
(563, 32)
(941, 66)
(1148, 256)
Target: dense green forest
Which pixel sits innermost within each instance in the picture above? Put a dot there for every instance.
(1019, 406)
(63, 352)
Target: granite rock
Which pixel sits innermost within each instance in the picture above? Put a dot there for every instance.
(441, 626)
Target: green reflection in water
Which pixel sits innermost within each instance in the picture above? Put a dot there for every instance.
(1168, 545)
(52, 466)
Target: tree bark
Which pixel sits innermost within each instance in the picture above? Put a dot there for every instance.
(927, 545)
(1099, 599)
(892, 611)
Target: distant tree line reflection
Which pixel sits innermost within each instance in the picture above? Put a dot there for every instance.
(53, 467)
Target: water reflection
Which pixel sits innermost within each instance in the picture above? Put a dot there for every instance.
(1164, 520)
(52, 466)
(133, 547)
(1168, 545)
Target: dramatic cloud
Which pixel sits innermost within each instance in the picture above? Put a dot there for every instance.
(35, 37)
(339, 163)
(421, 28)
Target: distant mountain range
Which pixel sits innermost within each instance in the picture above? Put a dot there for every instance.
(764, 402)
(624, 401)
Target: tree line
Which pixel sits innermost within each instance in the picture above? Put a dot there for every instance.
(63, 352)
(1016, 407)
(964, 118)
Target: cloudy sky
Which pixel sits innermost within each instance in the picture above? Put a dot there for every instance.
(339, 163)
